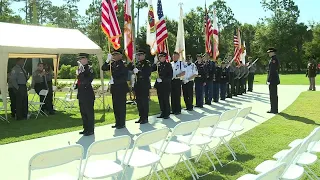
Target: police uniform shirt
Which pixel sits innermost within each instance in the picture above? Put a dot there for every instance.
(37, 77)
(144, 68)
(165, 71)
(312, 70)
(273, 76)
(119, 72)
(177, 67)
(201, 71)
(237, 72)
(190, 69)
(18, 76)
(224, 75)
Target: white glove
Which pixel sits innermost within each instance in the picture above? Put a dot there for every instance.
(155, 60)
(135, 70)
(159, 80)
(268, 83)
(109, 58)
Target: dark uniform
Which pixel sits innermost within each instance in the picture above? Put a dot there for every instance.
(252, 70)
(230, 86)
(19, 80)
(274, 81)
(208, 88)
(142, 87)
(12, 96)
(241, 79)
(119, 89)
(86, 96)
(163, 86)
(311, 74)
(176, 84)
(49, 99)
(245, 79)
(224, 78)
(236, 80)
(216, 83)
(200, 81)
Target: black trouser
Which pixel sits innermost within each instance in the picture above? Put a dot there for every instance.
(176, 96)
(49, 99)
(22, 102)
(223, 89)
(119, 94)
(230, 85)
(240, 89)
(236, 87)
(250, 81)
(188, 94)
(86, 105)
(142, 99)
(163, 91)
(273, 91)
(12, 96)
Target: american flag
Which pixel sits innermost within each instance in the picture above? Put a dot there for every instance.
(237, 45)
(109, 23)
(162, 33)
(215, 36)
(208, 32)
(115, 5)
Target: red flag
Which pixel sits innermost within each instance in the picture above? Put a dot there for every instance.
(128, 43)
(161, 28)
(237, 46)
(110, 24)
(115, 5)
(208, 32)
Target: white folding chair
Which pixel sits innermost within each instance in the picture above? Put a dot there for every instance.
(99, 96)
(292, 171)
(34, 105)
(66, 102)
(177, 148)
(139, 158)
(228, 117)
(101, 169)
(32, 93)
(314, 146)
(3, 118)
(54, 158)
(203, 141)
(272, 174)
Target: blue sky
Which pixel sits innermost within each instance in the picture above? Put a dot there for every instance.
(246, 11)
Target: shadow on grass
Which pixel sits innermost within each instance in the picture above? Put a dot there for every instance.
(298, 118)
(231, 169)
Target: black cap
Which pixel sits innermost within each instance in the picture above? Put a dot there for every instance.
(114, 52)
(175, 52)
(141, 51)
(271, 50)
(161, 54)
(83, 55)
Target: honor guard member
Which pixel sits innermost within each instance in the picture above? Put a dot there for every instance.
(142, 86)
(119, 86)
(188, 82)
(12, 96)
(19, 78)
(178, 72)
(49, 99)
(200, 80)
(311, 74)
(236, 78)
(216, 82)
(230, 86)
(208, 88)
(163, 84)
(252, 70)
(85, 94)
(246, 74)
(224, 77)
(241, 78)
(273, 79)
(39, 82)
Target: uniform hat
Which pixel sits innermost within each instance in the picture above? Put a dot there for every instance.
(271, 50)
(161, 54)
(83, 55)
(175, 52)
(141, 51)
(114, 52)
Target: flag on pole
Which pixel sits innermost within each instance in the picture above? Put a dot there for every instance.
(128, 41)
(215, 36)
(109, 23)
(115, 5)
(237, 46)
(180, 43)
(162, 32)
(244, 53)
(151, 30)
(208, 32)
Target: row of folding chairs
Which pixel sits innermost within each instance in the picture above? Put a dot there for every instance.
(36, 106)
(162, 141)
(296, 161)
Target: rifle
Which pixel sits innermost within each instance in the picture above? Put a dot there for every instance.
(253, 63)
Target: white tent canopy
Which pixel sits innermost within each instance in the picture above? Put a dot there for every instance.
(28, 41)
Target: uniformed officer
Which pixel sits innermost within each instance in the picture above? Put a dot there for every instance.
(245, 79)
(178, 73)
(273, 80)
(311, 74)
(252, 70)
(224, 78)
(236, 78)
(39, 82)
(241, 78)
(163, 84)
(49, 99)
(200, 80)
(208, 88)
(230, 86)
(142, 85)
(19, 78)
(188, 82)
(119, 86)
(216, 82)
(12, 96)
(85, 94)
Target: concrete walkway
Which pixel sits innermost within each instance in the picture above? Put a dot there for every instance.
(15, 157)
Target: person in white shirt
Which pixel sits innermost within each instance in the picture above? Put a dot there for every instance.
(191, 72)
(178, 73)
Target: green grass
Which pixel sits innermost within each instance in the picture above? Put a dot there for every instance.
(286, 79)
(262, 142)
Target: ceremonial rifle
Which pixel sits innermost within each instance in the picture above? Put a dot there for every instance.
(253, 63)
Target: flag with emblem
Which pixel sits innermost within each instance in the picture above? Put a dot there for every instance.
(109, 23)
(151, 30)
(237, 46)
(208, 32)
(180, 43)
(215, 36)
(128, 40)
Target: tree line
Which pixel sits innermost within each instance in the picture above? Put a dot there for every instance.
(296, 42)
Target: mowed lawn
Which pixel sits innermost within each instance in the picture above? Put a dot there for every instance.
(262, 142)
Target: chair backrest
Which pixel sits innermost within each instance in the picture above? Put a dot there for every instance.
(274, 173)
(306, 141)
(56, 157)
(243, 113)
(290, 156)
(209, 121)
(151, 137)
(54, 88)
(43, 92)
(315, 138)
(229, 115)
(184, 128)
